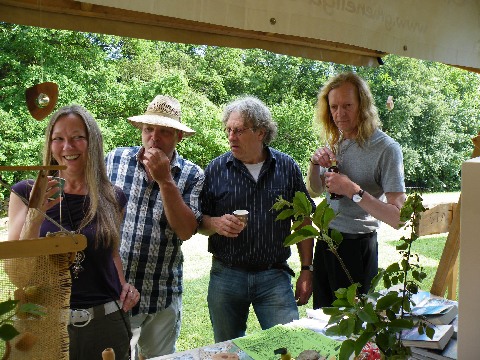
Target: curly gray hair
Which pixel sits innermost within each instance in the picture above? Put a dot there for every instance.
(254, 113)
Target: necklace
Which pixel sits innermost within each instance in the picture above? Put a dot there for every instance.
(79, 255)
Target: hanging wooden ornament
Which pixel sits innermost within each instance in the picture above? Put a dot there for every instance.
(41, 99)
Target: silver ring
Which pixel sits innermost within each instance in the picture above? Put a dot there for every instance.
(129, 291)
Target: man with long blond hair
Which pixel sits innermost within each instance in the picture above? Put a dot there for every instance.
(370, 179)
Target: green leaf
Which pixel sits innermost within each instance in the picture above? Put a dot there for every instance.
(346, 327)
(33, 309)
(352, 294)
(335, 319)
(328, 216)
(331, 311)
(387, 301)
(400, 324)
(336, 236)
(367, 314)
(281, 203)
(285, 214)
(386, 282)
(341, 303)
(347, 349)
(8, 332)
(306, 232)
(376, 280)
(7, 306)
(296, 224)
(362, 341)
(333, 331)
(341, 293)
(301, 203)
(393, 268)
(430, 331)
(391, 315)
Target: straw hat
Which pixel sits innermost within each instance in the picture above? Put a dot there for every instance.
(163, 111)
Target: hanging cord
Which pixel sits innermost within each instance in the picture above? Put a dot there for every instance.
(26, 202)
(39, 4)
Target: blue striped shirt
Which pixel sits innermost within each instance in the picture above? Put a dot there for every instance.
(230, 186)
(150, 250)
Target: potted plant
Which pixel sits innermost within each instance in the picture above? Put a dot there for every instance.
(377, 317)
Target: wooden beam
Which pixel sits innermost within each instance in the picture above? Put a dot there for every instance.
(74, 15)
(452, 281)
(59, 243)
(32, 167)
(436, 220)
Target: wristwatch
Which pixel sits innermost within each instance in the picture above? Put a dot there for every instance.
(307, 267)
(358, 196)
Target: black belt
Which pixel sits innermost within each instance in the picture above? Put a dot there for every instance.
(258, 267)
(347, 236)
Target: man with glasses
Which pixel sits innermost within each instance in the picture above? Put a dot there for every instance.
(249, 265)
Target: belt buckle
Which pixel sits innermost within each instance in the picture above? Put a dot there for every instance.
(80, 313)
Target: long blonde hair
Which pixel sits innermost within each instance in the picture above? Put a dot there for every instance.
(103, 204)
(368, 115)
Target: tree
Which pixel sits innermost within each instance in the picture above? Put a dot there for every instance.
(433, 118)
(436, 106)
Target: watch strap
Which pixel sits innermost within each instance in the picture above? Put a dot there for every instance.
(307, 267)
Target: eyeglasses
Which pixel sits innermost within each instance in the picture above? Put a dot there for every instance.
(237, 132)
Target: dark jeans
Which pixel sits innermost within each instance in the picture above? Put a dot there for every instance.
(109, 331)
(359, 253)
(231, 291)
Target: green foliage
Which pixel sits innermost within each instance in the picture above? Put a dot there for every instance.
(10, 308)
(376, 316)
(296, 135)
(436, 113)
(434, 118)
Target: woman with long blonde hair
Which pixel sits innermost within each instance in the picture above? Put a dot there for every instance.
(90, 205)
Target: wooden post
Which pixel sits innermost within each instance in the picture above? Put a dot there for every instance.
(447, 266)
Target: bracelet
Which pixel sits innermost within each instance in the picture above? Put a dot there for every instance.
(314, 163)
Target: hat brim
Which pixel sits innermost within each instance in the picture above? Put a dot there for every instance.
(137, 121)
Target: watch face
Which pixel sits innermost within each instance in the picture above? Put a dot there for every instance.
(356, 198)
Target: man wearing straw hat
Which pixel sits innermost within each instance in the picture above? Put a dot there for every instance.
(162, 211)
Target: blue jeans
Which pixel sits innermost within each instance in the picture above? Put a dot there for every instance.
(232, 290)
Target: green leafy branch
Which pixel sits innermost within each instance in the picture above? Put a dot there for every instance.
(375, 316)
(301, 209)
